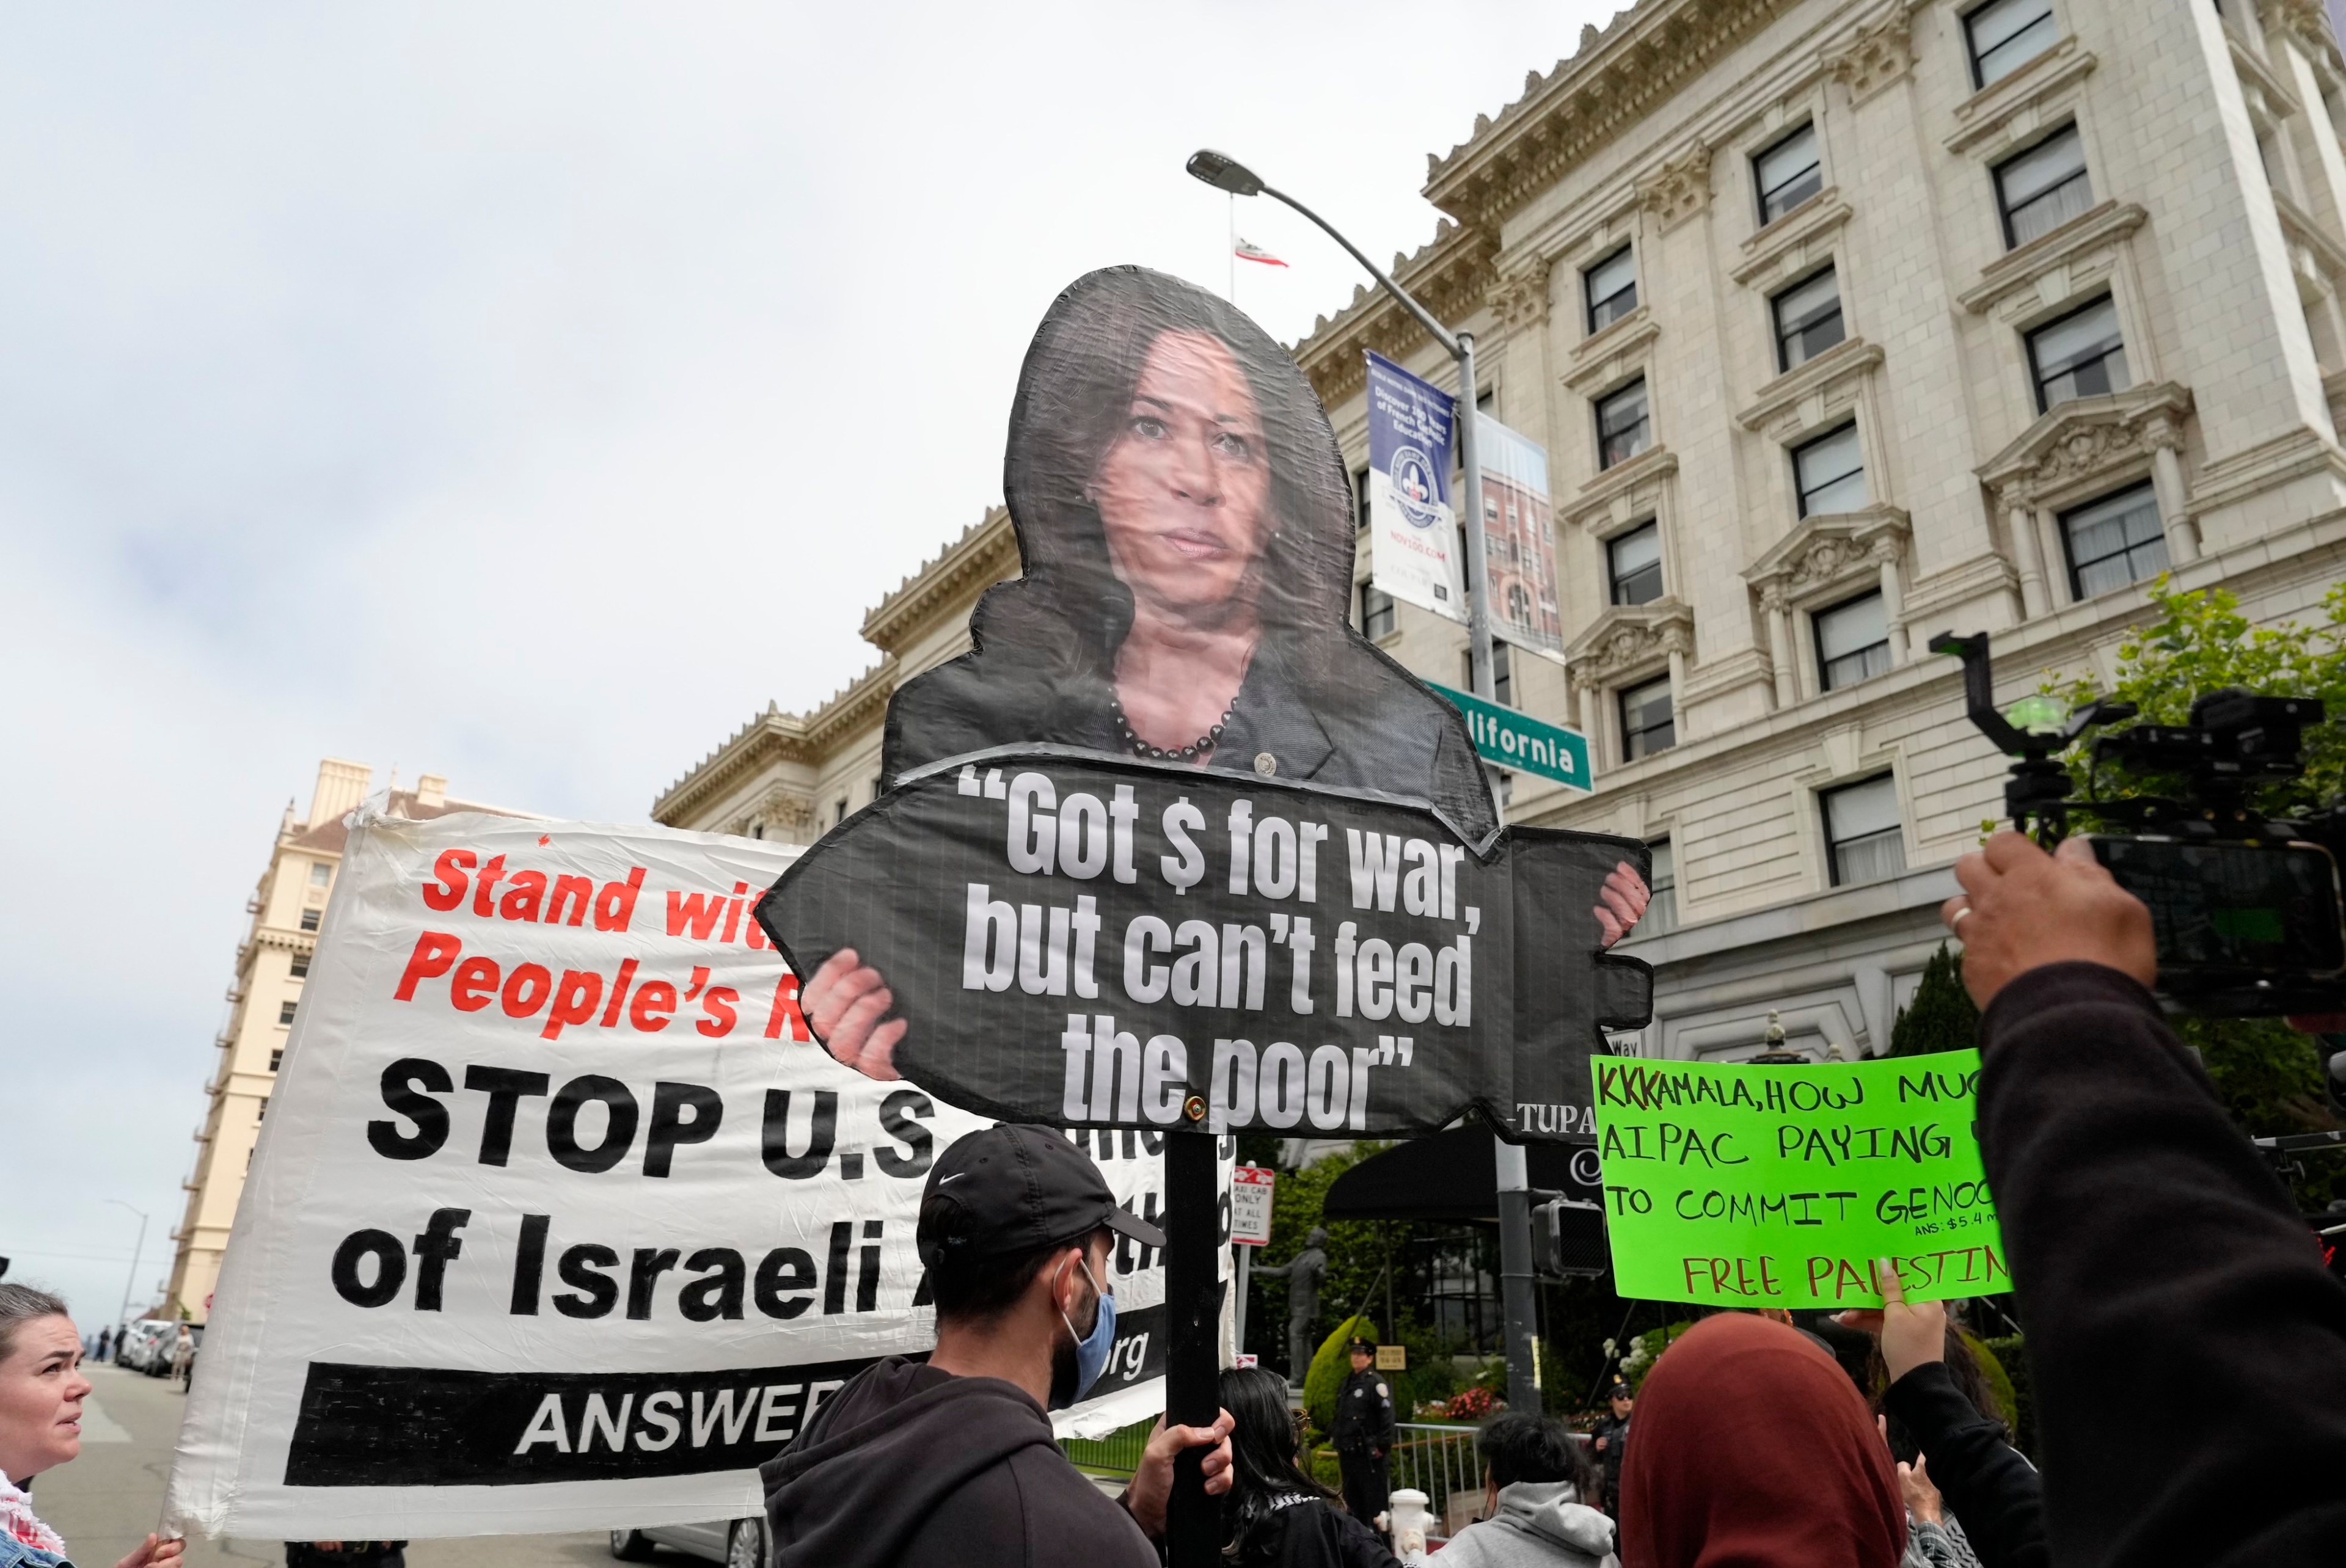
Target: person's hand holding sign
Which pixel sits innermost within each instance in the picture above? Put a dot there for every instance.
(1911, 1332)
(847, 1001)
(1622, 903)
(2022, 909)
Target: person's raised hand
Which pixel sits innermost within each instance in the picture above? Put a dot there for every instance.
(1621, 902)
(845, 1003)
(1152, 1481)
(1911, 1332)
(155, 1551)
(1923, 1500)
(2022, 909)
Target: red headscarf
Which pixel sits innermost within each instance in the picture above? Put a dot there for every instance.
(1752, 1449)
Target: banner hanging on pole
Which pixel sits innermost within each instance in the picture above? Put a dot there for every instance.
(1734, 1186)
(1413, 548)
(560, 1220)
(1519, 539)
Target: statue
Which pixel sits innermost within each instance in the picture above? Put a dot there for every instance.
(1302, 1273)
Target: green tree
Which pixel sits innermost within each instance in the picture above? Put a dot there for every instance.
(1941, 1017)
(2199, 642)
(2269, 1075)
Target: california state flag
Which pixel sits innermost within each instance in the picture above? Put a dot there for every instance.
(1248, 251)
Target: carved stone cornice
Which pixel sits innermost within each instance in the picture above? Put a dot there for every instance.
(2078, 445)
(1801, 235)
(1882, 53)
(2269, 98)
(1808, 394)
(1629, 640)
(1962, 584)
(2306, 23)
(1520, 300)
(2318, 260)
(1620, 76)
(1603, 358)
(2069, 250)
(1452, 276)
(1827, 554)
(985, 554)
(1638, 480)
(1680, 189)
(2016, 104)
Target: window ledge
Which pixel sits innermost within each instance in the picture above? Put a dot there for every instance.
(2047, 254)
(1592, 507)
(2001, 108)
(1827, 554)
(1785, 241)
(1849, 358)
(1611, 354)
(1629, 642)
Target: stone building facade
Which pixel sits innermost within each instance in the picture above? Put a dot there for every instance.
(1844, 323)
(287, 907)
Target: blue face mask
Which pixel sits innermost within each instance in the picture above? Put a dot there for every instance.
(1091, 1349)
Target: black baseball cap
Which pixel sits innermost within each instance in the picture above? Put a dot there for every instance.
(1011, 1189)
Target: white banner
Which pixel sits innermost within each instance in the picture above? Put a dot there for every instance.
(559, 1221)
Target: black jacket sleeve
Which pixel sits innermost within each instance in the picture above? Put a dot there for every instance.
(1992, 1490)
(2186, 1346)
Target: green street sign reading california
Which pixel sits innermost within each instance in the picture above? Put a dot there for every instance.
(1507, 738)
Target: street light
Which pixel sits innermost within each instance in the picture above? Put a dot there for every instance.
(131, 1283)
(1224, 172)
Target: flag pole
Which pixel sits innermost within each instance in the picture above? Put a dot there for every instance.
(1231, 248)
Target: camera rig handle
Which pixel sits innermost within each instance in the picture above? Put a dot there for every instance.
(2037, 792)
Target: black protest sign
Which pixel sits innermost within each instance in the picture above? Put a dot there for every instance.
(1080, 940)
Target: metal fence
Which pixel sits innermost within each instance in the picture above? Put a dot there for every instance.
(1442, 1463)
(1119, 1453)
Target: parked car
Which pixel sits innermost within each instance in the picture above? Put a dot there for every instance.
(736, 1543)
(140, 1341)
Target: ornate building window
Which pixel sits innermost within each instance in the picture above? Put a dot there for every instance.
(300, 970)
(1788, 172)
(1807, 319)
(2081, 354)
(2005, 35)
(1376, 613)
(1503, 670)
(309, 920)
(1864, 840)
(1633, 562)
(2114, 542)
(1853, 641)
(285, 1011)
(1611, 288)
(2041, 188)
(1829, 472)
(1360, 499)
(1662, 913)
(1625, 425)
(1648, 724)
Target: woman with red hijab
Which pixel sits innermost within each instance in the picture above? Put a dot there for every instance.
(1755, 1451)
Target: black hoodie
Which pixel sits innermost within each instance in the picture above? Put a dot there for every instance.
(908, 1464)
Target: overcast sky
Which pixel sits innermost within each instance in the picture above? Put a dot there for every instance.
(528, 394)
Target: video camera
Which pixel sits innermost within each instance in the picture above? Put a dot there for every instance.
(2245, 908)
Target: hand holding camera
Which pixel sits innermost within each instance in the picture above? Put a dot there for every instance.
(2022, 909)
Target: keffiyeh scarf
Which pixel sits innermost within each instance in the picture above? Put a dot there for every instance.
(18, 1518)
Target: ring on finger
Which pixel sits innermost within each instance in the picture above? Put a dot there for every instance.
(1955, 921)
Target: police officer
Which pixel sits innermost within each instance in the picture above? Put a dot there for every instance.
(1610, 1440)
(1364, 1438)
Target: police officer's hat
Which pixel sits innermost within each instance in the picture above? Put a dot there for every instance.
(1360, 1347)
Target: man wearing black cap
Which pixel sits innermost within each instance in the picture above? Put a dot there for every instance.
(954, 1462)
(1610, 1440)
(1364, 1435)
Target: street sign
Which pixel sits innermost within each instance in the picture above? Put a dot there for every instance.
(1250, 1192)
(1511, 739)
(1392, 1358)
